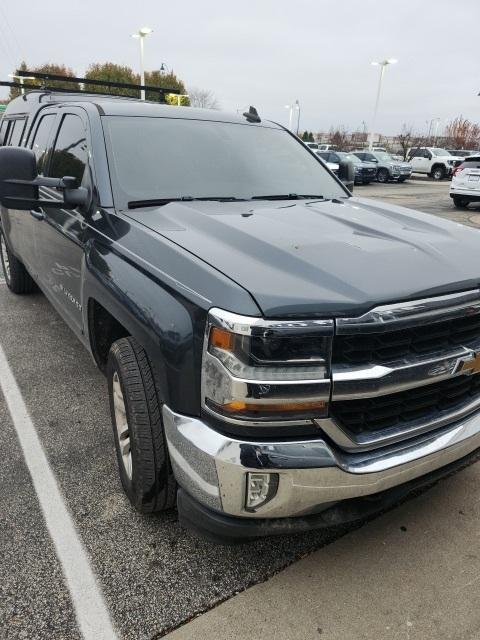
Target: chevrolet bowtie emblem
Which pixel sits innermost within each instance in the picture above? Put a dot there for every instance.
(470, 364)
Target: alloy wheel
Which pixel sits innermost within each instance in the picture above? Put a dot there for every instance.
(5, 260)
(121, 422)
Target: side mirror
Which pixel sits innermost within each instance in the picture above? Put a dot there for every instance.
(20, 182)
(346, 173)
(19, 165)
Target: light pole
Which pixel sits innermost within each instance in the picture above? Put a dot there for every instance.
(21, 80)
(291, 108)
(382, 64)
(141, 35)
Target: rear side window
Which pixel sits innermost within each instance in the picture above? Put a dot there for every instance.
(3, 131)
(16, 131)
(40, 141)
(70, 154)
(471, 163)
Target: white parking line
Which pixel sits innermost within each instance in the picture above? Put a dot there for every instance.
(91, 612)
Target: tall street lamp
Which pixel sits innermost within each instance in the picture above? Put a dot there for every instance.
(21, 80)
(292, 108)
(141, 35)
(383, 64)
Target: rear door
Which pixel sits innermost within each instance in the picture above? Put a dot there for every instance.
(60, 236)
(19, 226)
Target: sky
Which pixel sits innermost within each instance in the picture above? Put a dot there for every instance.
(269, 53)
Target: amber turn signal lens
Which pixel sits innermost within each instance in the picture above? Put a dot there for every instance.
(221, 338)
(237, 406)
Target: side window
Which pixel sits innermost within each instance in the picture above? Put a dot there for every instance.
(3, 132)
(70, 155)
(40, 141)
(16, 131)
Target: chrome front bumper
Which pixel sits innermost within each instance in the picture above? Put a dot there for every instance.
(212, 467)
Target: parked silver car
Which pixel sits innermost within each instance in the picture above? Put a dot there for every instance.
(387, 167)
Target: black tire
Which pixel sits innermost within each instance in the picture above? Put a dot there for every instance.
(366, 181)
(16, 276)
(150, 486)
(438, 172)
(382, 175)
(460, 202)
(402, 178)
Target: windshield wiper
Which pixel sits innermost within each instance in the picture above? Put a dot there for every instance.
(159, 202)
(289, 196)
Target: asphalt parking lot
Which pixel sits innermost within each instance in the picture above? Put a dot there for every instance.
(154, 576)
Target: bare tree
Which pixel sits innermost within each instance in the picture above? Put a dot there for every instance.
(340, 137)
(460, 133)
(203, 98)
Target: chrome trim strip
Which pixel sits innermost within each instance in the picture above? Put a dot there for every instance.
(246, 325)
(311, 473)
(379, 380)
(368, 441)
(416, 312)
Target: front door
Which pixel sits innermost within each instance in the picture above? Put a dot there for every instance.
(60, 237)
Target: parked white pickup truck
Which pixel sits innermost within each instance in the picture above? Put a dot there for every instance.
(435, 162)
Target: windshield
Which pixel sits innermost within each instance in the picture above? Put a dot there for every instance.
(383, 156)
(170, 158)
(440, 152)
(349, 156)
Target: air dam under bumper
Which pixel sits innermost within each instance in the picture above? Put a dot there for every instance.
(211, 469)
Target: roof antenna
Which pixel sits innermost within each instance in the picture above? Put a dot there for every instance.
(252, 115)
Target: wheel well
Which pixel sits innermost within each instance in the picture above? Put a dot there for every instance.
(438, 164)
(104, 330)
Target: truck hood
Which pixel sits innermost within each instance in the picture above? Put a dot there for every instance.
(323, 258)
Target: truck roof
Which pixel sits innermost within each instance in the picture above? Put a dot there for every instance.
(123, 106)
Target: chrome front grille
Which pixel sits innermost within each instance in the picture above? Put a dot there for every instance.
(399, 370)
(411, 342)
(369, 415)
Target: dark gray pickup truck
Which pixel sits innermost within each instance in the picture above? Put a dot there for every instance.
(280, 354)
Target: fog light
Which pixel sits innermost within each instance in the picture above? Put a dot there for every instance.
(261, 488)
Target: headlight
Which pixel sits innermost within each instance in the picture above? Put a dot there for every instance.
(264, 371)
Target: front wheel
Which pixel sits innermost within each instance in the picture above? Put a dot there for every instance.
(460, 202)
(402, 179)
(438, 172)
(382, 175)
(144, 465)
(16, 276)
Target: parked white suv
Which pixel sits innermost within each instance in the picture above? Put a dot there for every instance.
(435, 162)
(465, 186)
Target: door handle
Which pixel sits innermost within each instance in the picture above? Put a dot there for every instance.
(38, 215)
